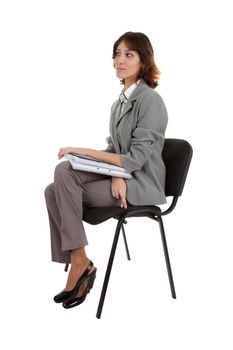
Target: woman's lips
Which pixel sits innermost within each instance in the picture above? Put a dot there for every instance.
(120, 69)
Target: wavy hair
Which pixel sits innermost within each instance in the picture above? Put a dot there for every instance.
(140, 43)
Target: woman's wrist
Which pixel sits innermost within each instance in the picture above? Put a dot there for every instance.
(117, 178)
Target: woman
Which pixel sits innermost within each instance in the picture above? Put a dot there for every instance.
(137, 126)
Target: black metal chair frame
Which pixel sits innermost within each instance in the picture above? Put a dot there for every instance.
(152, 212)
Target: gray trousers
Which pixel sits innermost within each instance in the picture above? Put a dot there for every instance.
(65, 198)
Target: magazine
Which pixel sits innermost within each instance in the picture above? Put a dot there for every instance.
(86, 163)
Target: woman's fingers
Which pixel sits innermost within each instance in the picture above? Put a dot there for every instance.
(63, 151)
(115, 195)
(122, 197)
(119, 191)
(123, 200)
(123, 203)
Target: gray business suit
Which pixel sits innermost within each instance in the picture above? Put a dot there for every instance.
(138, 135)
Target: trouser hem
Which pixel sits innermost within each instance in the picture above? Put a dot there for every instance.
(73, 246)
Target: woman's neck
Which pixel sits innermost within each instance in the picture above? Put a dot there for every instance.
(128, 84)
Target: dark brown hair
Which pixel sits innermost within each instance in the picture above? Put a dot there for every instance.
(140, 43)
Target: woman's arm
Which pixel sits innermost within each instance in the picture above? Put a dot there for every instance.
(150, 129)
(111, 158)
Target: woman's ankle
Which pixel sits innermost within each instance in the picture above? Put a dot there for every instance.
(79, 258)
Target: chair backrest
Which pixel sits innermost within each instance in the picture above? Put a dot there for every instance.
(177, 155)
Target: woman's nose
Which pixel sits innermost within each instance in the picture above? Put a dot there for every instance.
(120, 59)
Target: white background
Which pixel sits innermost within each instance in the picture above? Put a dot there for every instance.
(57, 86)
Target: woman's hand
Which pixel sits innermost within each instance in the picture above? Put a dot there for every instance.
(79, 150)
(65, 150)
(118, 187)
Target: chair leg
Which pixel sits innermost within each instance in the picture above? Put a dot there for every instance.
(169, 270)
(66, 267)
(125, 241)
(108, 271)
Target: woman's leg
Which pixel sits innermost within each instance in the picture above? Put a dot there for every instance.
(77, 257)
(55, 227)
(72, 190)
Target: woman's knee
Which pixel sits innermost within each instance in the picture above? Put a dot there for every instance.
(49, 191)
(61, 170)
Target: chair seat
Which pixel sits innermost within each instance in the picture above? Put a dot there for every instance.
(96, 215)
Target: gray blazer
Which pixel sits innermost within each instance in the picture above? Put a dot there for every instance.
(138, 136)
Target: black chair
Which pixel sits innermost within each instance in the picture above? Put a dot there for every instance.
(177, 155)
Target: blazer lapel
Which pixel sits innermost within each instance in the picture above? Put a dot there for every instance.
(127, 108)
(132, 99)
(112, 126)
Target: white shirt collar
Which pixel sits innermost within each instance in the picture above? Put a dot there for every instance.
(130, 89)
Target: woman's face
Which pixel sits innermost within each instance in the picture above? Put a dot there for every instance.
(127, 64)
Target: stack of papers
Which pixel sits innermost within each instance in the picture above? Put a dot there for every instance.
(86, 163)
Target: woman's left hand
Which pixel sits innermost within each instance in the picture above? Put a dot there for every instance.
(119, 188)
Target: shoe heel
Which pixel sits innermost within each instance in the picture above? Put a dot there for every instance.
(91, 280)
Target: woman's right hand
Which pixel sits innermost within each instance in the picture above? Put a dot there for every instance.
(64, 150)
(118, 187)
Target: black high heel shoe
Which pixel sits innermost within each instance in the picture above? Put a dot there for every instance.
(66, 295)
(74, 301)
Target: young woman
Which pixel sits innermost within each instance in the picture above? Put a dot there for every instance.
(137, 126)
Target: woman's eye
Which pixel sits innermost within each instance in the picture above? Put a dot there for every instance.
(127, 54)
